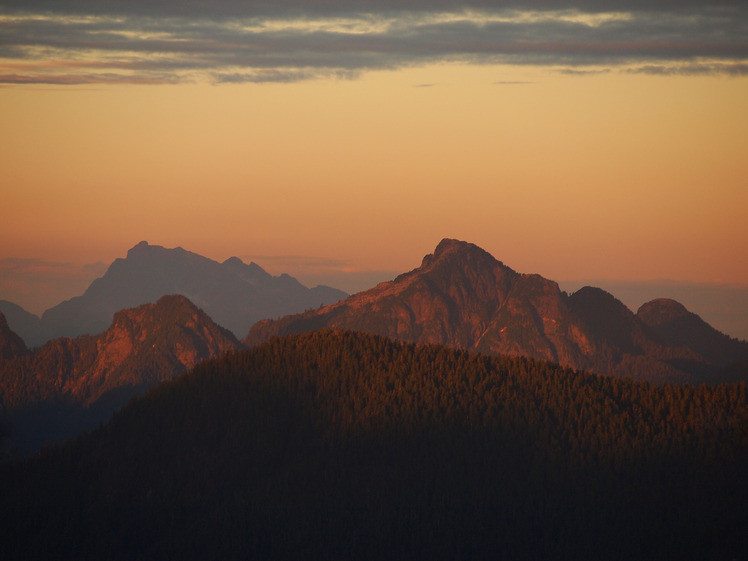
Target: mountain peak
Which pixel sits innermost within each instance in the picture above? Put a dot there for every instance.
(450, 247)
(234, 294)
(662, 310)
(679, 327)
(251, 273)
(139, 248)
(94, 375)
(448, 244)
(146, 250)
(462, 296)
(449, 250)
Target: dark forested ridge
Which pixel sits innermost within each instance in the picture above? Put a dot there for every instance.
(463, 297)
(341, 445)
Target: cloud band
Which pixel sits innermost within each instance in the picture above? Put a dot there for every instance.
(156, 42)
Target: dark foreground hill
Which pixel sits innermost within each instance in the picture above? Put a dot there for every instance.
(462, 297)
(70, 385)
(341, 445)
(234, 294)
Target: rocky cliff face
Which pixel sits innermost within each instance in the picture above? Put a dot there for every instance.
(76, 383)
(149, 344)
(461, 296)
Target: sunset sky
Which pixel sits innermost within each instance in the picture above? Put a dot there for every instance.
(332, 139)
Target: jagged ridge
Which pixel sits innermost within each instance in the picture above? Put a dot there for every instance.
(233, 293)
(69, 385)
(463, 297)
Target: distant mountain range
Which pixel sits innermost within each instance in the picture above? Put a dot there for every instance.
(234, 294)
(70, 385)
(463, 297)
(460, 296)
(344, 444)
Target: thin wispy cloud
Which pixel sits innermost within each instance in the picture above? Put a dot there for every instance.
(343, 274)
(227, 41)
(37, 284)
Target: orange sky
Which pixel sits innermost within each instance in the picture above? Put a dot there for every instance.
(598, 176)
(576, 139)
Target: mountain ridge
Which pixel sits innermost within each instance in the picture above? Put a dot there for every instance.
(463, 297)
(71, 384)
(233, 293)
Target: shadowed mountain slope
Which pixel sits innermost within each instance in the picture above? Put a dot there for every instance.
(69, 385)
(679, 327)
(462, 297)
(234, 294)
(342, 445)
(24, 324)
(11, 345)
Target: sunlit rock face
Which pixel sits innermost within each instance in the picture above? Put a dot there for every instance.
(463, 297)
(71, 384)
(150, 344)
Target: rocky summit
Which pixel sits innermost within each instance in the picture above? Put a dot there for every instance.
(463, 297)
(69, 385)
(233, 293)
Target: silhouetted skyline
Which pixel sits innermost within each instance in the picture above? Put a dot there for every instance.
(574, 139)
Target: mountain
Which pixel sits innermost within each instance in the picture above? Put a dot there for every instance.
(11, 345)
(342, 445)
(25, 324)
(69, 385)
(234, 294)
(679, 327)
(463, 297)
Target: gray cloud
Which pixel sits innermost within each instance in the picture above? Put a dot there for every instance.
(228, 41)
(333, 8)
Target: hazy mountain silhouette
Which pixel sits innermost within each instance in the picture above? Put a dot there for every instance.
(69, 385)
(234, 294)
(462, 297)
(25, 324)
(679, 327)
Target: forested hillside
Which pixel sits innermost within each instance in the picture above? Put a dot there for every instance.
(341, 445)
